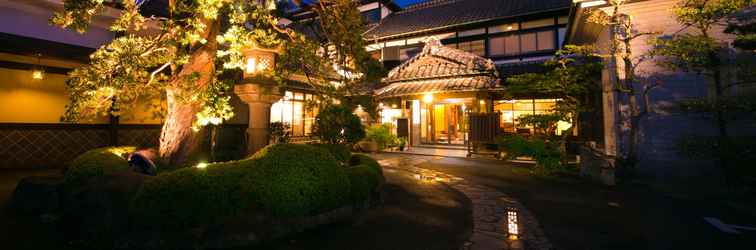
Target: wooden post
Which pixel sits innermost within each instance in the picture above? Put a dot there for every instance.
(113, 125)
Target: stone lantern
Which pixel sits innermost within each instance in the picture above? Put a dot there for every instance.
(259, 93)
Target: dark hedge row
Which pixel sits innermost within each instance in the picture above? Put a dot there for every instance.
(280, 180)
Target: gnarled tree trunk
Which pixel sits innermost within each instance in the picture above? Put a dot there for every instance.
(177, 139)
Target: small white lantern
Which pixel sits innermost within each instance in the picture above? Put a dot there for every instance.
(513, 228)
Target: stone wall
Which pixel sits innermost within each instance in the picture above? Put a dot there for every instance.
(53, 145)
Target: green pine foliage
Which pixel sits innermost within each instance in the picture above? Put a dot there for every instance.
(336, 124)
(572, 75)
(138, 67)
(545, 152)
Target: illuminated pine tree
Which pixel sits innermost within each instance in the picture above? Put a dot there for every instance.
(191, 55)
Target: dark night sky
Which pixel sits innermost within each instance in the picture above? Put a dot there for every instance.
(407, 2)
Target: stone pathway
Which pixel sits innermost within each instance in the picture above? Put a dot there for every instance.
(489, 208)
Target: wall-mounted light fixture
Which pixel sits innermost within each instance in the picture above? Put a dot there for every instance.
(589, 3)
(428, 98)
(38, 72)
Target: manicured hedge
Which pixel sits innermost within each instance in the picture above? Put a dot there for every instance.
(296, 179)
(280, 180)
(365, 176)
(364, 182)
(339, 151)
(361, 159)
(192, 196)
(96, 162)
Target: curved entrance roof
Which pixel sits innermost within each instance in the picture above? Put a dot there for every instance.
(440, 69)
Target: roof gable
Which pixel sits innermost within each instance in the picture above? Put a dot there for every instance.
(438, 61)
(440, 69)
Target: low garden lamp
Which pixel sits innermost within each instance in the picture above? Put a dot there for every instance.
(513, 228)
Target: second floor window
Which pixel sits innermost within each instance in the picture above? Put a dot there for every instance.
(477, 47)
(522, 43)
(407, 53)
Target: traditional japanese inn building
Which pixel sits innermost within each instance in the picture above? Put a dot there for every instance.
(453, 57)
(472, 45)
(447, 60)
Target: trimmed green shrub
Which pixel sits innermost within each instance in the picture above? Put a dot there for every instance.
(381, 134)
(280, 180)
(296, 179)
(361, 159)
(337, 124)
(545, 152)
(97, 162)
(192, 196)
(363, 181)
(339, 151)
(365, 176)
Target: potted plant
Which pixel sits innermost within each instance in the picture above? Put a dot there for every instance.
(381, 135)
(279, 132)
(402, 142)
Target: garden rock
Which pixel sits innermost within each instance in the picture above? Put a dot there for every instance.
(142, 162)
(37, 195)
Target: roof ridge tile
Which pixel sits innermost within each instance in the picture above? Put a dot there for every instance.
(426, 4)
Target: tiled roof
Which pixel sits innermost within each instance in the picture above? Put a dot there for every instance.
(440, 69)
(457, 84)
(441, 13)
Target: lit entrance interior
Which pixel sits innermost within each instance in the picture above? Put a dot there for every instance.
(444, 121)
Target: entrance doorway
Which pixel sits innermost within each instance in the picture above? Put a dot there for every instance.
(444, 123)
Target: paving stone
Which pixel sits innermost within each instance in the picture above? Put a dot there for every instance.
(485, 226)
(493, 234)
(490, 219)
(489, 207)
(485, 242)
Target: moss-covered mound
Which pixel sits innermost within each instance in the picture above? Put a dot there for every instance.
(339, 151)
(280, 180)
(361, 159)
(365, 176)
(95, 163)
(294, 179)
(192, 196)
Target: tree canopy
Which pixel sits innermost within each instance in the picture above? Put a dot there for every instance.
(572, 75)
(193, 53)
